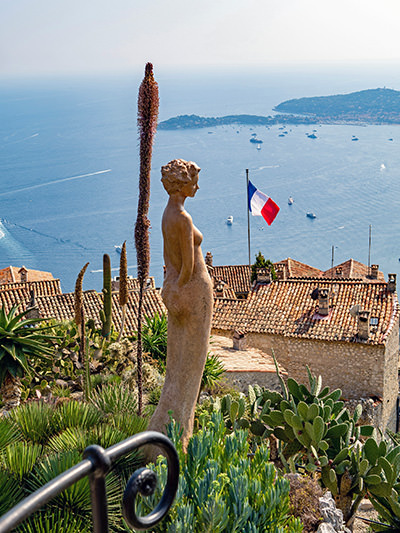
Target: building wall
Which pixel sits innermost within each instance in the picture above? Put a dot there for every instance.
(361, 370)
(356, 368)
(242, 380)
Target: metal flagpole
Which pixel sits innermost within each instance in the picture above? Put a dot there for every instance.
(248, 216)
(369, 251)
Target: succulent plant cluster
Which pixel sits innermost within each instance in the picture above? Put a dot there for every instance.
(221, 489)
(311, 430)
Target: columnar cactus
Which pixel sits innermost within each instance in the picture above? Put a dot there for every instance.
(106, 312)
(123, 287)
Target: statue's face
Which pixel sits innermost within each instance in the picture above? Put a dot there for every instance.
(190, 188)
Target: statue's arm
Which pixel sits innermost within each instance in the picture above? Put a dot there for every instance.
(187, 249)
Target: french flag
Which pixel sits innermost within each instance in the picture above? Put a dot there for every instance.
(261, 205)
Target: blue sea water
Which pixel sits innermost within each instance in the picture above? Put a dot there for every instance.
(69, 171)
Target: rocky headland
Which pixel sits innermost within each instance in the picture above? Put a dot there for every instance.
(372, 106)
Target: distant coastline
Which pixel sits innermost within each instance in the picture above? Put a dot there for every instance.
(372, 106)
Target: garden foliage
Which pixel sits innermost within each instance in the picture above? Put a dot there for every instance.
(222, 489)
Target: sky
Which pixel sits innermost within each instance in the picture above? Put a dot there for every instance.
(92, 36)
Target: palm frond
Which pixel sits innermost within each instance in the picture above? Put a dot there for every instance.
(111, 399)
(74, 414)
(50, 520)
(10, 491)
(20, 458)
(35, 420)
(9, 433)
(77, 497)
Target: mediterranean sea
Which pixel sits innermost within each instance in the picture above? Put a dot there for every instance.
(69, 171)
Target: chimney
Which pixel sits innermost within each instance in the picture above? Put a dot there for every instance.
(339, 272)
(323, 302)
(239, 340)
(374, 271)
(32, 309)
(209, 259)
(363, 324)
(23, 272)
(280, 271)
(391, 283)
(220, 289)
(263, 275)
(115, 284)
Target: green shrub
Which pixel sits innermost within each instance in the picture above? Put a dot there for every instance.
(221, 489)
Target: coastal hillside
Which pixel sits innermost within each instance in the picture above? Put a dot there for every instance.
(372, 105)
(195, 121)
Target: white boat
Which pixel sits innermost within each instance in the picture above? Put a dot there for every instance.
(290, 200)
(229, 220)
(118, 248)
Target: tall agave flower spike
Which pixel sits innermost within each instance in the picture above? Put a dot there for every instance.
(147, 124)
(78, 298)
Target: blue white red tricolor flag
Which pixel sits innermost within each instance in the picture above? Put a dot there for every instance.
(261, 205)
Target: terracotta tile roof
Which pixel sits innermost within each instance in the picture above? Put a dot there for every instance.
(133, 284)
(152, 304)
(297, 269)
(13, 274)
(236, 276)
(222, 290)
(12, 293)
(61, 306)
(286, 308)
(352, 269)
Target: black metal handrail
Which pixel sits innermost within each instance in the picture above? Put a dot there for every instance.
(96, 463)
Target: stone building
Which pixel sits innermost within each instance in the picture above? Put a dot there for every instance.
(13, 274)
(346, 330)
(237, 277)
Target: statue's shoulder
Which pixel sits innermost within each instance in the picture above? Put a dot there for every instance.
(185, 218)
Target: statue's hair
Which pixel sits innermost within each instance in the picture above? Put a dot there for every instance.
(177, 173)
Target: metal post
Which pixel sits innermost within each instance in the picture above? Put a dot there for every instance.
(369, 251)
(102, 464)
(248, 216)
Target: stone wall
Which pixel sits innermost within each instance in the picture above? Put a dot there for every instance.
(242, 380)
(361, 370)
(356, 368)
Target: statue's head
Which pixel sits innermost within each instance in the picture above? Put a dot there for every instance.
(177, 173)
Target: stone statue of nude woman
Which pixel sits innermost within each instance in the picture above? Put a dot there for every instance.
(187, 294)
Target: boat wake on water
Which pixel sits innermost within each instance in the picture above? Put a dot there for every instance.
(10, 248)
(58, 239)
(264, 167)
(54, 182)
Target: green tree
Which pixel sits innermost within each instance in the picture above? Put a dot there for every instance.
(21, 339)
(261, 262)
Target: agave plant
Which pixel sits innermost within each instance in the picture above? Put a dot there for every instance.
(154, 335)
(213, 372)
(21, 339)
